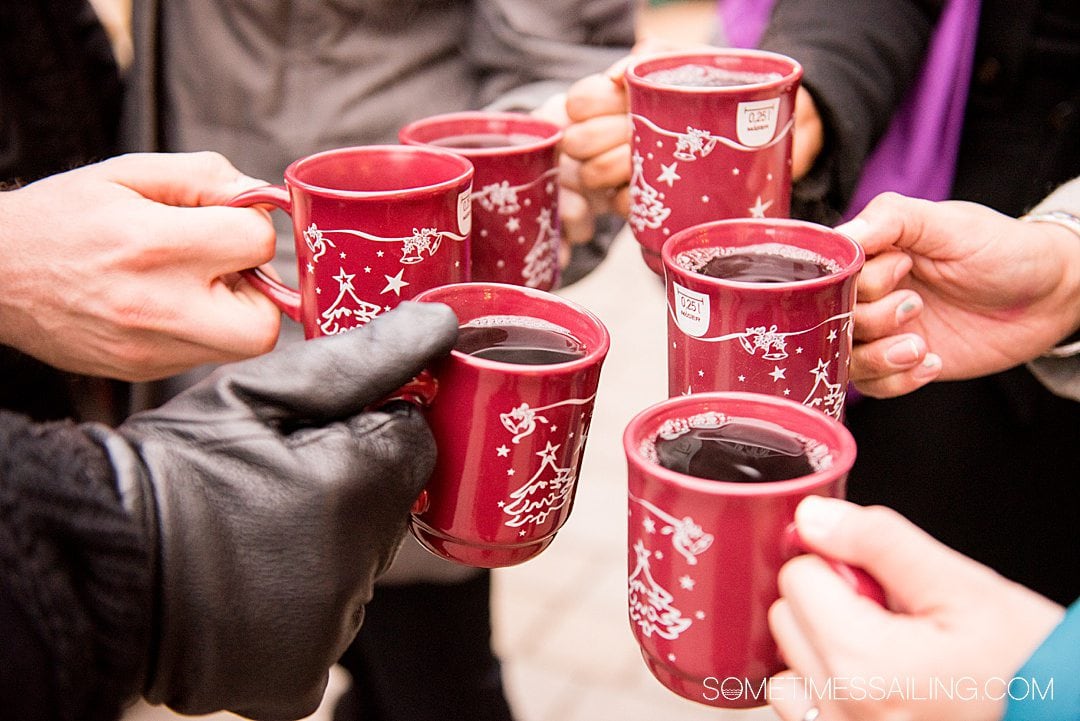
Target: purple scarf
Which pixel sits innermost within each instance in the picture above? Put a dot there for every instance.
(917, 154)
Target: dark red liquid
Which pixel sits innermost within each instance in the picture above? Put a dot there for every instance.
(521, 344)
(485, 140)
(762, 268)
(738, 452)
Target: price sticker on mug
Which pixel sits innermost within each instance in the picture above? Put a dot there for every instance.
(756, 121)
(691, 311)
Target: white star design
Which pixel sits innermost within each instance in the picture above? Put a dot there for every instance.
(503, 451)
(686, 583)
(832, 335)
(668, 174)
(759, 208)
(799, 350)
(778, 373)
(310, 268)
(509, 471)
(699, 615)
(318, 291)
(701, 374)
(380, 254)
(734, 171)
(343, 255)
(513, 224)
(367, 268)
(394, 283)
(742, 379)
(649, 525)
(548, 454)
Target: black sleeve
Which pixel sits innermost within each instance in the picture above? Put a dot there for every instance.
(859, 57)
(75, 581)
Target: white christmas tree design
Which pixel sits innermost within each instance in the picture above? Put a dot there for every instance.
(548, 490)
(825, 396)
(650, 604)
(348, 310)
(541, 262)
(647, 209)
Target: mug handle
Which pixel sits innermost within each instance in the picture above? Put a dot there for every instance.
(420, 391)
(859, 580)
(281, 295)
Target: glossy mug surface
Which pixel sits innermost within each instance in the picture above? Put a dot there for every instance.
(515, 195)
(703, 150)
(777, 321)
(703, 555)
(373, 226)
(510, 435)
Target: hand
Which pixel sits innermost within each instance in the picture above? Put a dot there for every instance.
(117, 270)
(276, 499)
(950, 619)
(955, 290)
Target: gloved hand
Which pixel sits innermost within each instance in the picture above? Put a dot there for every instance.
(276, 500)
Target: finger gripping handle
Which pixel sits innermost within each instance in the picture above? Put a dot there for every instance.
(859, 580)
(285, 298)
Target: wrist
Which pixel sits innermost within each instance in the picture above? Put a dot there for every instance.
(1066, 239)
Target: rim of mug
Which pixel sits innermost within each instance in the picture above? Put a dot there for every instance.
(465, 175)
(407, 132)
(593, 354)
(701, 230)
(633, 76)
(646, 424)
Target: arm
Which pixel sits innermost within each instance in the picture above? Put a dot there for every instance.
(527, 51)
(127, 268)
(859, 58)
(233, 536)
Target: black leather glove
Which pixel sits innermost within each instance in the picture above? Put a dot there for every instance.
(276, 500)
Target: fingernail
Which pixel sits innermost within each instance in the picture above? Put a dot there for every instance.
(817, 516)
(903, 353)
(906, 310)
(929, 368)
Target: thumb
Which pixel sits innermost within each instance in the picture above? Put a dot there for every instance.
(338, 376)
(917, 572)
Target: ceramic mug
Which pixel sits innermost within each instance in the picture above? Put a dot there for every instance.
(373, 226)
(515, 195)
(703, 555)
(712, 134)
(510, 436)
(758, 328)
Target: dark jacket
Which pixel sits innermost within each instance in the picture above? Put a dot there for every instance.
(989, 466)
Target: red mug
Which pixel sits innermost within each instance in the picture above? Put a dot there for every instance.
(373, 226)
(515, 235)
(510, 436)
(751, 331)
(706, 151)
(703, 555)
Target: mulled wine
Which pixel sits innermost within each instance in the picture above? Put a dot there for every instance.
(518, 339)
(765, 263)
(736, 451)
(475, 141)
(708, 76)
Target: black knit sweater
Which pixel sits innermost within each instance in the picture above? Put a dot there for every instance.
(75, 583)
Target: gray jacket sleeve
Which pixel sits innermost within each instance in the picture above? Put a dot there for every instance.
(1059, 370)
(527, 51)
